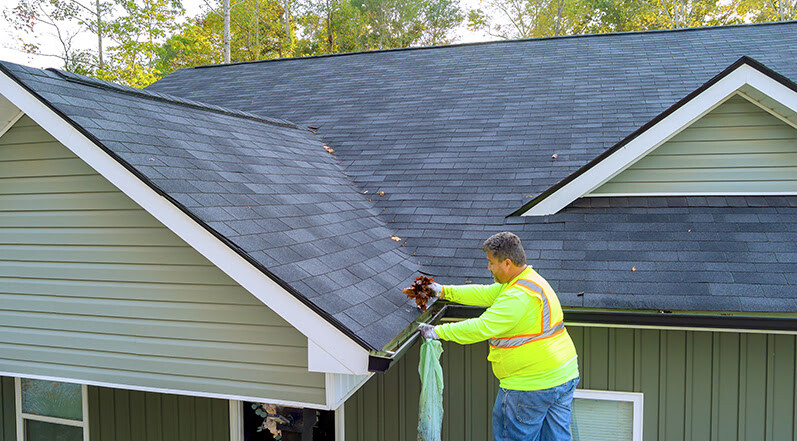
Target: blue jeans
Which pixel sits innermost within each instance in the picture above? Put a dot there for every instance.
(533, 415)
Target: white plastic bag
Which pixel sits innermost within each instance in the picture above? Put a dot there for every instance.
(430, 405)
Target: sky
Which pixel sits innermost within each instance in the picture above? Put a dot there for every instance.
(49, 44)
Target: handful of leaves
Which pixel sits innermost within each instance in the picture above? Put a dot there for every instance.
(420, 291)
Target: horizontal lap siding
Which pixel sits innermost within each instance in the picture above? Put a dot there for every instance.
(93, 287)
(737, 147)
(698, 386)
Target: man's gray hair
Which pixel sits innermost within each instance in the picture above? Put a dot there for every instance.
(505, 245)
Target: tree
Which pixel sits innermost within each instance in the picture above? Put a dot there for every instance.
(64, 20)
(330, 26)
(139, 32)
(403, 23)
(531, 18)
(760, 11)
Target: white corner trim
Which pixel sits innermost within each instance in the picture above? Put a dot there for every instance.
(662, 131)
(340, 424)
(341, 347)
(636, 398)
(236, 420)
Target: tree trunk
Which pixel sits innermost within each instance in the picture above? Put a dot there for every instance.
(286, 49)
(226, 31)
(99, 34)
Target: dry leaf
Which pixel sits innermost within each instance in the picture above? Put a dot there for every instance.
(396, 238)
(381, 193)
(689, 230)
(328, 149)
(554, 156)
(527, 196)
(419, 291)
(633, 268)
(365, 192)
(151, 159)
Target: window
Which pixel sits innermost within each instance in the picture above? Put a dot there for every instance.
(601, 415)
(51, 411)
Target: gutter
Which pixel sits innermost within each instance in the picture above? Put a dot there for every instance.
(448, 312)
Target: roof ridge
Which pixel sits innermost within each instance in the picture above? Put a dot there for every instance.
(162, 97)
(520, 40)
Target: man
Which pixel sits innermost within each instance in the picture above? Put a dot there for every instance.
(531, 352)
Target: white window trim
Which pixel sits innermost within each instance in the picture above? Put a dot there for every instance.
(745, 77)
(636, 398)
(330, 343)
(22, 416)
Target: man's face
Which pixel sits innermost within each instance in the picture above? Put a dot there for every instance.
(500, 270)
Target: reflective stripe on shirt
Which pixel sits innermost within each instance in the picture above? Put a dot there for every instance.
(546, 330)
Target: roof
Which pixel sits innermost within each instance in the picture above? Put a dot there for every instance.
(461, 136)
(265, 186)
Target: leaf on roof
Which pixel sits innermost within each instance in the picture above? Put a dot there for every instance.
(555, 156)
(381, 193)
(396, 238)
(365, 192)
(633, 268)
(328, 148)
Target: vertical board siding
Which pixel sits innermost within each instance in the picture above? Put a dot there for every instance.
(737, 147)
(123, 415)
(8, 416)
(93, 287)
(697, 386)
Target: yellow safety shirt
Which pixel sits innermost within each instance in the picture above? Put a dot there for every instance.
(529, 345)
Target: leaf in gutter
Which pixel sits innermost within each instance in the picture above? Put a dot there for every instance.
(396, 238)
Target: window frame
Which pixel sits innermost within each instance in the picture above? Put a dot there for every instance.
(636, 398)
(22, 416)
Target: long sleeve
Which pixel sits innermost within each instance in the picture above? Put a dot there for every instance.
(503, 316)
(472, 295)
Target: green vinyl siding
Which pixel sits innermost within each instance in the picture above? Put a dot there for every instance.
(123, 415)
(700, 386)
(737, 147)
(93, 287)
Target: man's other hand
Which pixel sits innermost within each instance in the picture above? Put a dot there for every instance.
(427, 331)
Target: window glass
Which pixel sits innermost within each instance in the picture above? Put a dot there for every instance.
(41, 431)
(598, 420)
(53, 399)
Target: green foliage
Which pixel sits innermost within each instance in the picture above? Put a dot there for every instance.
(195, 45)
(403, 23)
(139, 31)
(330, 26)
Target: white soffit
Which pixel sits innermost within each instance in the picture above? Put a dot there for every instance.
(351, 358)
(744, 80)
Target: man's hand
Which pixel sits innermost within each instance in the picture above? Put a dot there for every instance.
(436, 288)
(427, 331)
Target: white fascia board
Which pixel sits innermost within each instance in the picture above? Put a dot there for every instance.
(662, 131)
(710, 193)
(189, 393)
(348, 353)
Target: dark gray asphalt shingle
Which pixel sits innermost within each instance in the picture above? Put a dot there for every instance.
(267, 186)
(458, 137)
